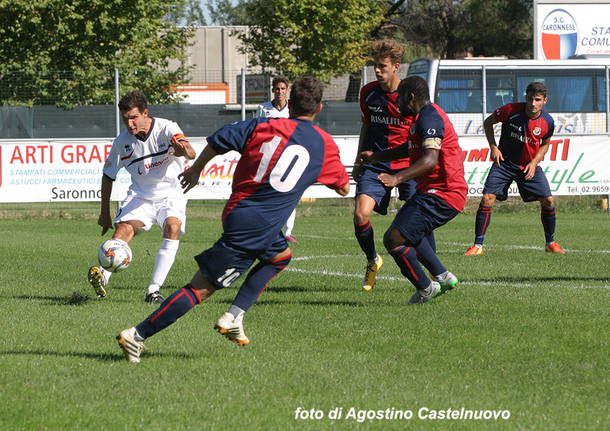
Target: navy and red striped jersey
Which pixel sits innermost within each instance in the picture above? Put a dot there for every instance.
(446, 179)
(280, 158)
(521, 136)
(386, 127)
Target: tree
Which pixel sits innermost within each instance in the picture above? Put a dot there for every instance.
(504, 27)
(65, 53)
(225, 12)
(190, 14)
(448, 28)
(323, 37)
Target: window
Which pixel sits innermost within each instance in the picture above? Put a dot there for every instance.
(460, 92)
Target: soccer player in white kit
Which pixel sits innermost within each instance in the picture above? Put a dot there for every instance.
(278, 108)
(154, 152)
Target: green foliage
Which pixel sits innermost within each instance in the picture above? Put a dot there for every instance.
(501, 27)
(190, 14)
(525, 331)
(228, 12)
(450, 28)
(321, 37)
(87, 40)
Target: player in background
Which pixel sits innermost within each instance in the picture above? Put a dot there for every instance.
(280, 158)
(437, 166)
(278, 108)
(383, 127)
(154, 152)
(525, 138)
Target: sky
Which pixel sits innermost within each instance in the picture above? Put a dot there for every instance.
(204, 8)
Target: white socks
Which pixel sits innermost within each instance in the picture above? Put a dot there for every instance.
(163, 263)
(106, 274)
(290, 223)
(237, 312)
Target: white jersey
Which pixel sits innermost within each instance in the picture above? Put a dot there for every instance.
(267, 110)
(153, 167)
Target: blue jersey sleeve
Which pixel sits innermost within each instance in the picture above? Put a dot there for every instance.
(551, 122)
(233, 136)
(430, 124)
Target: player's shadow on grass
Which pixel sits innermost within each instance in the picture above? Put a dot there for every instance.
(74, 299)
(104, 357)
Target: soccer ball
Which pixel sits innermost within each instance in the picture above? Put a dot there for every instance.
(114, 255)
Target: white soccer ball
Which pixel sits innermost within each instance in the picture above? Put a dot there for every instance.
(114, 255)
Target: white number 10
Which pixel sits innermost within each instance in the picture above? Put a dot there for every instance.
(295, 157)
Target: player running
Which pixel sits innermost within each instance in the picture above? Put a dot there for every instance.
(525, 138)
(436, 164)
(383, 127)
(280, 158)
(153, 151)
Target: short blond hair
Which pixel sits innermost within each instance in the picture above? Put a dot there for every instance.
(387, 48)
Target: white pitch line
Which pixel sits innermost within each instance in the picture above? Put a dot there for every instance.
(466, 245)
(389, 278)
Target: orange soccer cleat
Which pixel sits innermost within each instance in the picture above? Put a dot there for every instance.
(554, 248)
(474, 250)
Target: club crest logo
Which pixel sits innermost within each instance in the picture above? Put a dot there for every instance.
(537, 131)
(559, 35)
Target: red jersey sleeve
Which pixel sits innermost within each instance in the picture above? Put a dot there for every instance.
(366, 115)
(333, 173)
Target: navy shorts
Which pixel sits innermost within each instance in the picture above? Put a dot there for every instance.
(501, 177)
(420, 215)
(222, 264)
(368, 184)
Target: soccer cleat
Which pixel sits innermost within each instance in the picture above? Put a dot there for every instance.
(474, 250)
(232, 328)
(447, 280)
(371, 274)
(423, 296)
(154, 298)
(290, 238)
(97, 280)
(554, 248)
(131, 347)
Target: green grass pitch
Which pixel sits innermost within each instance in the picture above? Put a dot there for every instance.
(526, 334)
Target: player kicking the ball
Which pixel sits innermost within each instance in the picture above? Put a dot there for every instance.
(280, 158)
(153, 151)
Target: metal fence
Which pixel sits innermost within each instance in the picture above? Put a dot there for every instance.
(211, 99)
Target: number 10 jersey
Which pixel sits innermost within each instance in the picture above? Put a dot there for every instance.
(280, 159)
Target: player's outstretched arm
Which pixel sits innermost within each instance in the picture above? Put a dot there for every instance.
(385, 155)
(190, 177)
(422, 165)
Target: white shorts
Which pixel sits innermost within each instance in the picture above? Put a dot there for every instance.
(151, 212)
